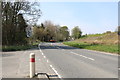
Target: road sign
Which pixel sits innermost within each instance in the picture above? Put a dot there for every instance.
(29, 31)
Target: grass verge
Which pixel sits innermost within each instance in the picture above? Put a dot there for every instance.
(97, 47)
(19, 48)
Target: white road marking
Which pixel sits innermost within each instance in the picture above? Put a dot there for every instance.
(51, 66)
(48, 61)
(79, 55)
(96, 51)
(118, 68)
(61, 48)
(103, 52)
(44, 56)
(55, 71)
(83, 56)
(39, 48)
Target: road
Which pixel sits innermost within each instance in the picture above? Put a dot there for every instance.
(15, 64)
(58, 60)
(70, 62)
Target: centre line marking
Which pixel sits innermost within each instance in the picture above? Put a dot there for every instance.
(42, 53)
(83, 56)
(44, 56)
(48, 62)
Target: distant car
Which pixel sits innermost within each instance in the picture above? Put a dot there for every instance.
(52, 40)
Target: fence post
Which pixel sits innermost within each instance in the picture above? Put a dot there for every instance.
(32, 65)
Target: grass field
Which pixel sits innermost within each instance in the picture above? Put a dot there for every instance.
(97, 47)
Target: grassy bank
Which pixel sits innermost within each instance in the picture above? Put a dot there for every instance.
(20, 47)
(104, 38)
(97, 47)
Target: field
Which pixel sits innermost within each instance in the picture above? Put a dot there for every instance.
(106, 42)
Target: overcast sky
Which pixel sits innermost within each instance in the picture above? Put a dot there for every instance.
(91, 17)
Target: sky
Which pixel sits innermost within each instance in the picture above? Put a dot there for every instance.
(91, 17)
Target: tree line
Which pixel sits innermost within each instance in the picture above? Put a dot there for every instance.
(49, 31)
(14, 23)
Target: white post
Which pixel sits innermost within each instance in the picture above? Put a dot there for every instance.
(32, 65)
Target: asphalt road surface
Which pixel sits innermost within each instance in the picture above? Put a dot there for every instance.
(70, 62)
(58, 60)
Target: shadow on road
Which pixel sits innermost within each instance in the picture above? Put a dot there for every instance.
(56, 47)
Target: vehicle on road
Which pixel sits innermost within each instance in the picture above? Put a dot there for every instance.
(52, 40)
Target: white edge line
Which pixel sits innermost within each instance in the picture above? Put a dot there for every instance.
(103, 52)
(48, 61)
(55, 71)
(51, 66)
(83, 56)
(96, 51)
(91, 59)
(40, 50)
(44, 56)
